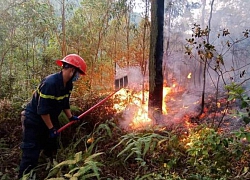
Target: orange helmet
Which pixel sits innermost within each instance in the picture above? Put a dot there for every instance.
(74, 60)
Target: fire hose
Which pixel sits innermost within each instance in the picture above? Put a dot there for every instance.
(86, 112)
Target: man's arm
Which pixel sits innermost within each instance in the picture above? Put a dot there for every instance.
(68, 113)
(70, 116)
(47, 120)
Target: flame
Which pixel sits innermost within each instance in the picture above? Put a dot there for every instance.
(141, 118)
(189, 75)
(136, 105)
(166, 91)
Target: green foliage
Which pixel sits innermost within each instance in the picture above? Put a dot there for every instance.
(100, 134)
(5, 109)
(242, 134)
(78, 167)
(3, 149)
(152, 154)
(9, 109)
(30, 176)
(89, 142)
(237, 92)
(139, 145)
(161, 175)
(3, 145)
(206, 149)
(104, 129)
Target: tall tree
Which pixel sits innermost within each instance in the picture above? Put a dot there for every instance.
(64, 50)
(203, 27)
(155, 58)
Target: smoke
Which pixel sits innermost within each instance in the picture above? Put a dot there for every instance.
(185, 97)
(179, 102)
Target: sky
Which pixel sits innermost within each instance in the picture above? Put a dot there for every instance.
(139, 6)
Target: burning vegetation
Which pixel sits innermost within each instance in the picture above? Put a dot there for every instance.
(132, 107)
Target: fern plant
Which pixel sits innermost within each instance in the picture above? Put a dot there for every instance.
(139, 144)
(83, 165)
(78, 168)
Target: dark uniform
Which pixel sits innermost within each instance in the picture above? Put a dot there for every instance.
(51, 97)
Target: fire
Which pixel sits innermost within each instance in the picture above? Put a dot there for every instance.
(189, 75)
(141, 117)
(134, 106)
(166, 91)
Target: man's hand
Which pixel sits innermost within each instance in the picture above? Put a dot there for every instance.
(53, 132)
(74, 118)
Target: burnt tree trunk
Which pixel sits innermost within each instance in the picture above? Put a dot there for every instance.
(155, 59)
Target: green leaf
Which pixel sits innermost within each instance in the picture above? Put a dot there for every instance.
(126, 149)
(78, 156)
(73, 178)
(91, 147)
(248, 137)
(56, 169)
(90, 175)
(205, 152)
(139, 159)
(246, 119)
(82, 171)
(67, 175)
(143, 163)
(146, 147)
(225, 142)
(122, 141)
(106, 127)
(230, 98)
(65, 163)
(90, 158)
(244, 104)
(73, 170)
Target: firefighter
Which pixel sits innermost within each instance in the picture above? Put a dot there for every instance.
(40, 116)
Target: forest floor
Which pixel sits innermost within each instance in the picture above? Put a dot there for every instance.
(11, 131)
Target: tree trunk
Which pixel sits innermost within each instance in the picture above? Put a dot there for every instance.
(64, 50)
(128, 37)
(205, 63)
(144, 62)
(203, 27)
(155, 59)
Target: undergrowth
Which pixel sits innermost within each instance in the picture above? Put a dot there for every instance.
(98, 149)
(203, 153)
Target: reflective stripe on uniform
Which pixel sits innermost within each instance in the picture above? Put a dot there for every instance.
(52, 97)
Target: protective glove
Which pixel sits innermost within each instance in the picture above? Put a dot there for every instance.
(74, 118)
(53, 132)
